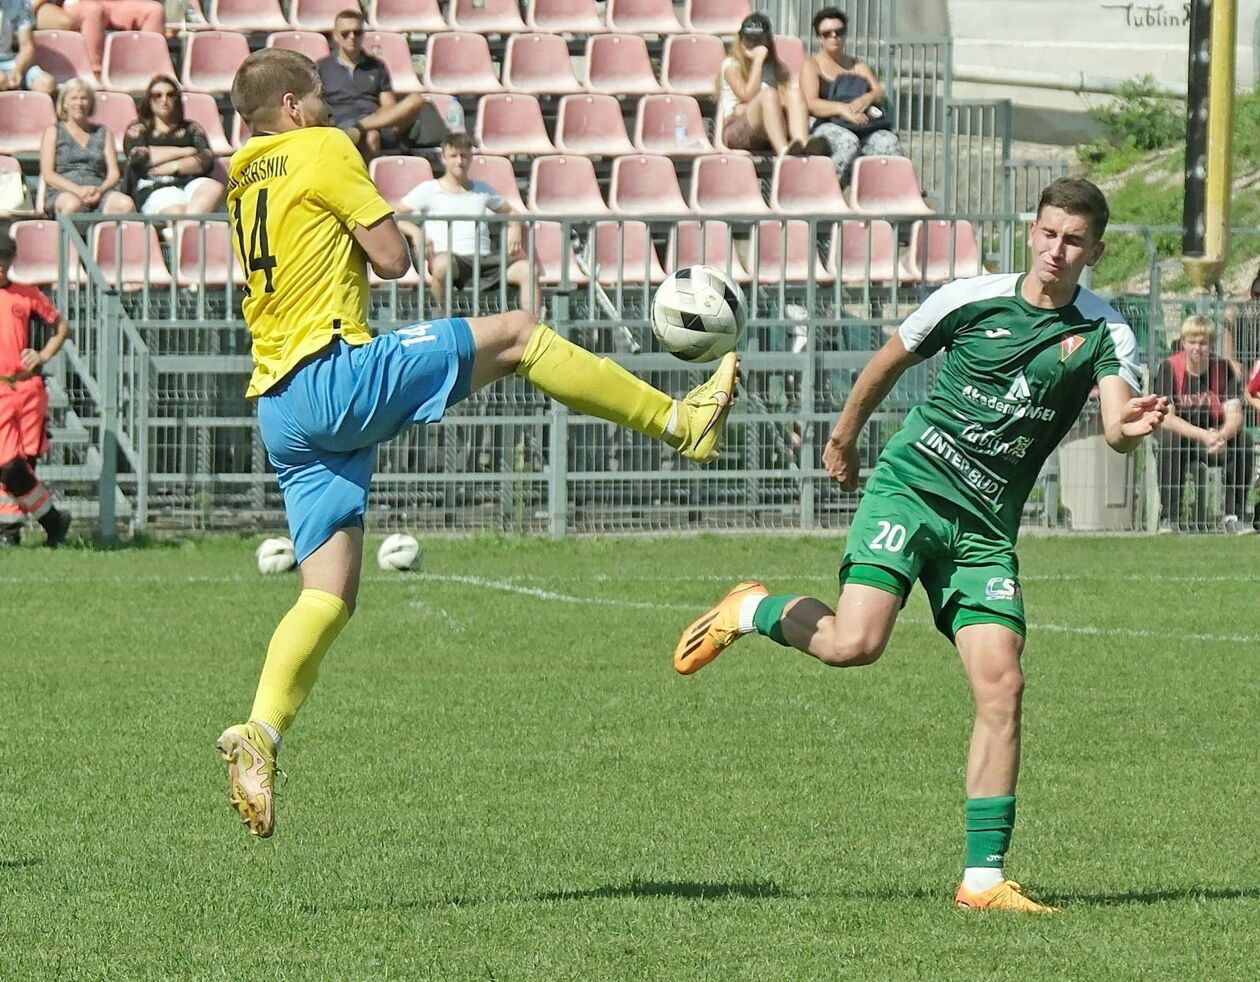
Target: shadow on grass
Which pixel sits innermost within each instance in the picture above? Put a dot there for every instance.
(1155, 896)
(24, 863)
(684, 890)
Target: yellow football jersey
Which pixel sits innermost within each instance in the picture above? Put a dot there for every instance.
(293, 199)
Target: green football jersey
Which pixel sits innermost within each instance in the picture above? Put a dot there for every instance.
(1012, 383)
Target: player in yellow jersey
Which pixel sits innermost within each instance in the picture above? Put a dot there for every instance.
(306, 221)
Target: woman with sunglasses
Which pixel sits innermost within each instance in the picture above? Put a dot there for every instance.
(760, 106)
(169, 157)
(846, 98)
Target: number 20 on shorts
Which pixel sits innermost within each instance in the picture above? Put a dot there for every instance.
(889, 538)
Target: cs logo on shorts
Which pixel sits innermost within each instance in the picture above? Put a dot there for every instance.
(1001, 588)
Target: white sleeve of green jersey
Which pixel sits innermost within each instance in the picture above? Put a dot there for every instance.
(1118, 354)
(919, 332)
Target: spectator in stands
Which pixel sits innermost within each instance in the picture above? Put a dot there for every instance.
(1240, 340)
(359, 99)
(17, 50)
(461, 247)
(760, 106)
(169, 157)
(78, 159)
(1204, 424)
(846, 98)
(92, 18)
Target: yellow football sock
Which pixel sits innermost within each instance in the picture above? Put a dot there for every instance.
(595, 386)
(298, 646)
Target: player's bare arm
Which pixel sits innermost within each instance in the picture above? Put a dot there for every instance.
(33, 360)
(1128, 418)
(385, 247)
(840, 455)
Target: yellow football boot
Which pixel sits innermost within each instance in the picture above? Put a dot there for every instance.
(251, 760)
(702, 412)
(715, 631)
(1007, 895)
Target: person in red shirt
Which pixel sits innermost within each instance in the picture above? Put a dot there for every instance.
(24, 404)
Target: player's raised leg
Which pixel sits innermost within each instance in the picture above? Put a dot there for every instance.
(587, 383)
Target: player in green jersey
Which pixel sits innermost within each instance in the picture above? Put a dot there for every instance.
(1022, 352)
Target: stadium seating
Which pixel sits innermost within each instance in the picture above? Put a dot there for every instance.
(23, 118)
(564, 185)
(247, 15)
(117, 111)
(618, 64)
(37, 252)
(205, 259)
(550, 251)
(564, 17)
(645, 184)
(395, 176)
(316, 15)
(705, 243)
(806, 186)
(643, 17)
(784, 252)
(726, 183)
(395, 52)
(624, 254)
(511, 124)
(486, 16)
(63, 55)
(240, 131)
(715, 16)
(406, 16)
(132, 58)
(591, 125)
(211, 59)
(690, 65)
(539, 64)
(498, 173)
(886, 186)
(791, 51)
(672, 125)
(129, 254)
(940, 251)
(201, 108)
(863, 251)
(310, 43)
(459, 62)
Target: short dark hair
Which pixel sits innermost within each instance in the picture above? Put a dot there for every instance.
(1077, 196)
(458, 140)
(348, 14)
(831, 13)
(263, 79)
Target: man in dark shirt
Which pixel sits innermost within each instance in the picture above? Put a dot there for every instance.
(1204, 424)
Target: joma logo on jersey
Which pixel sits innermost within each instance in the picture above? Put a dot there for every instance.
(1001, 588)
(1069, 345)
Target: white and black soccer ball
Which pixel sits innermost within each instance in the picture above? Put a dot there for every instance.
(698, 313)
(275, 556)
(398, 553)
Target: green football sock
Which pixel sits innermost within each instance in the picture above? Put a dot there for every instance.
(989, 824)
(768, 617)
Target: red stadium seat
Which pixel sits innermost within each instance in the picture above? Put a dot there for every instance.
(672, 125)
(690, 64)
(564, 185)
(63, 55)
(37, 252)
(201, 108)
(706, 243)
(486, 16)
(205, 258)
(310, 43)
(564, 17)
(645, 185)
(132, 58)
(406, 16)
(211, 59)
(240, 130)
(941, 251)
(511, 124)
(618, 64)
(591, 125)
(395, 52)
(784, 252)
(550, 253)
(886, 186)
(459, 62)
(863, 251)
(395, 176)
(725, 183)
(624, 254)
(23, 118)
(806, 186)
(715, 16)
(316, 15)
(791, 51)
(129, 254)
(117, 111)
(247, 15)
(498, 173)
(539, 64)
(643, 17)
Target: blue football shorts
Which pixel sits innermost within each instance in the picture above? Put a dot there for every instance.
(321, 425)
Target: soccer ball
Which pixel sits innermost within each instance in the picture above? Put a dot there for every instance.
(398, 553)
(275, 556)
(698, 313)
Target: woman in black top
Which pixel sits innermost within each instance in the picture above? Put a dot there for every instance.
(169, 157)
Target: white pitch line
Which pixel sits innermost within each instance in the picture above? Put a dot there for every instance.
(507, 586)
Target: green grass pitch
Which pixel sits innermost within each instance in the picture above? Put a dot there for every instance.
(499, 776)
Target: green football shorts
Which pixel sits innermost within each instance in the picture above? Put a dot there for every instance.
(970, 575)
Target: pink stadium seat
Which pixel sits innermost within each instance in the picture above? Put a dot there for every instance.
(564, 185)
(886, 186)
(116, 110)
(406, 16)
(459, 62)
(618, 64)
(550, 251)
(791, 51)
(63, 55)
(132, 58)
(672, 125)
(240, 131)
(643, 17)
(310, 43)
(624, 254)
(863, 251)
(940, 251)
(316, 15)
(247, 16)
(645, 185)
(539, 64)
(591, 125)
(201, 108)
(715, 16)
(784, 252)
(129, 254)
(725, 183)
(395, 51)
(395, 176)
(211, 59)
(511, 124)
(706, 243)
(23, 118)
(37, 248)
(564, 17)
(486, 16)
(498, 173)
(690, 64)
(806, 186)
(207, 260)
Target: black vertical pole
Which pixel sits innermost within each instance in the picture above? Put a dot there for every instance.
(1192, 218)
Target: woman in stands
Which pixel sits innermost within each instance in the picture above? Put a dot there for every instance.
(846, 98)
(169, 157)
(760, 106)
(78, 160)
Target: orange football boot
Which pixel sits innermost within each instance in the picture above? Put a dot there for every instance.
(715, 631)
(1007, 895)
